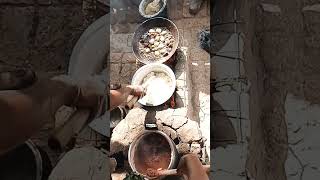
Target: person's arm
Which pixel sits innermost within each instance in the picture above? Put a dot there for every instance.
(121, 96)
(191, 168)
(24, 112)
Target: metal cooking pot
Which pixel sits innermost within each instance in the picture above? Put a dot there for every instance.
(142, 72)
(152, 23)
(27, 162)
(137, 155)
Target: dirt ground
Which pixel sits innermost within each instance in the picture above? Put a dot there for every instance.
(42, 35)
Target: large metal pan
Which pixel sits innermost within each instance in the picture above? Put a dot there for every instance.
(152, 23)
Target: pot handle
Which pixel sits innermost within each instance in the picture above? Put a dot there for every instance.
(150, 122)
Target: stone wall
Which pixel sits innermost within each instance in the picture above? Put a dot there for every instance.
(282, 57)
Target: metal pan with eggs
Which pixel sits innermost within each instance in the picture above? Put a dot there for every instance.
(155, 40)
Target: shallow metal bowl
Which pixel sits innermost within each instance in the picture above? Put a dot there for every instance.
(145, 70)
(160, 13)
(152, 23)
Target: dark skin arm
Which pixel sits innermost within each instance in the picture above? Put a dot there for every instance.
(191, 168)
(122, 95)
(24, 112)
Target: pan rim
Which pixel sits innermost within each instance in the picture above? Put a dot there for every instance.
(163, 59)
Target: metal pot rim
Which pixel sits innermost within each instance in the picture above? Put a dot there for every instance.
(134, 143)
(142, 7)
(149, 67)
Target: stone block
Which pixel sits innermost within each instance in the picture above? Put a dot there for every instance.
(129, 58)
(178, 121)
(182, 112)
(127, 130)
(272, 8)
(129, 40)
(183, 148)
(116, 57)
(114, 73)
(195, 148)
(127, 72)
(119, 43)
(170, 132)
(165, 116)
(293, 168)
(189, 132)
(62, 115)
(199, 8)
(182, 94)
(314, 8)
(181, 75)
(181, 83)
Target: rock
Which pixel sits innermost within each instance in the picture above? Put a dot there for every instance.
(178, 121)
(189, 132)
(271, 8)
(315, 8)
(165, 116)
(113, 164)
(127, 130)
(129, 58)
(116, 57)
(170, 132)
(195, 6)
(127, 72)
(62, 115)
(180, 112)
(195, 148)
(183, 148)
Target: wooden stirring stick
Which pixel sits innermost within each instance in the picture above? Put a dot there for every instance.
(170, 172)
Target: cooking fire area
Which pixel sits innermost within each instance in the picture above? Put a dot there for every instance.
(163, 54)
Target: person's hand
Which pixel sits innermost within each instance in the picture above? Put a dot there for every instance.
(112, 164)
(89, 91)
(125, 95)
(191, 168)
